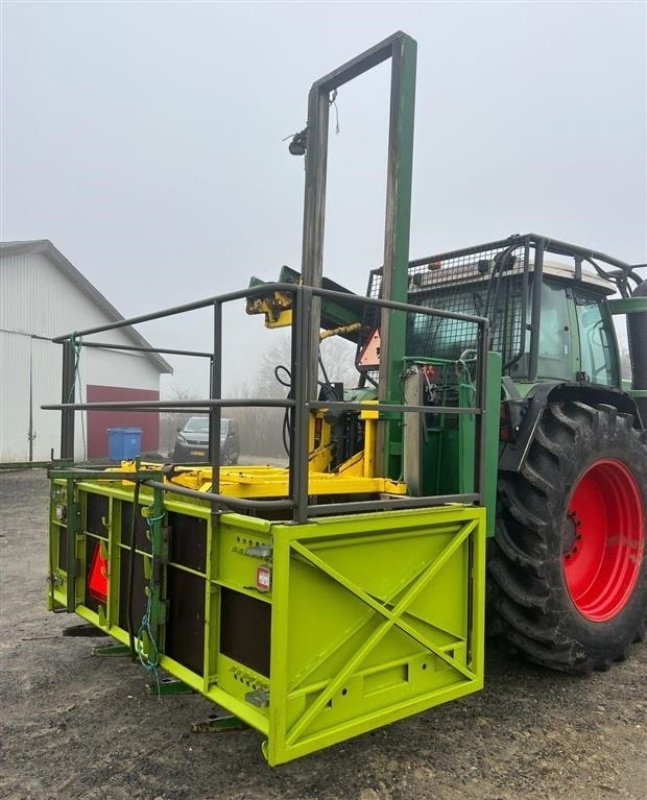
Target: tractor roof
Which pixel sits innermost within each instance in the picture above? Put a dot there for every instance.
(437, 274)
(559, 269)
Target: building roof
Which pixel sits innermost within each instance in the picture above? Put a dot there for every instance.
(46, 248)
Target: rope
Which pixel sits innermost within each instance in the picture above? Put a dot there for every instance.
(150, 661)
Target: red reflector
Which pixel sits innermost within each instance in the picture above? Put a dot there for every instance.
(263, 579)
(98, 583)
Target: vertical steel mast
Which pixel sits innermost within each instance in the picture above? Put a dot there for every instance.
(401, 49)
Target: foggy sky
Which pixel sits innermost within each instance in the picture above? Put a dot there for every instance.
(145, 140)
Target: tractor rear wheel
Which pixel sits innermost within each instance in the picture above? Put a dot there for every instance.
(568, 566)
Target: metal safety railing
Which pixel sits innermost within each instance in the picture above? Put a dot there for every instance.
(302, 402)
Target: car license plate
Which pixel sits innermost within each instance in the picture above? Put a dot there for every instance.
(198, 452)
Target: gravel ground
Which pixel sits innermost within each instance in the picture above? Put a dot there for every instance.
(76, 726)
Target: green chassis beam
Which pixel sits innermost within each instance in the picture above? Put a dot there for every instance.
(628, 305)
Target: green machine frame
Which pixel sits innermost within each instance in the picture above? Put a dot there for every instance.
(363, 620)
(310, 619)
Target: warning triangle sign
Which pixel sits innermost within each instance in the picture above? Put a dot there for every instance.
(98, 583)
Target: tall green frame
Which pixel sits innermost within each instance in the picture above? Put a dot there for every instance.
(402, 51)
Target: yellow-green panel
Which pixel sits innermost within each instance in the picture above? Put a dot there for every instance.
(373, 627)
(367, 618)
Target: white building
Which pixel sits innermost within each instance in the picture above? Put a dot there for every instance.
(43, 296)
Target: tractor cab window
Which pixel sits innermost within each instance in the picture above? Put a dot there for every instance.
(555, 356)
(445, 337)
(596, 345)
(450, 338)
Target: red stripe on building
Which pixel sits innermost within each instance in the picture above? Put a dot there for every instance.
(100, 421)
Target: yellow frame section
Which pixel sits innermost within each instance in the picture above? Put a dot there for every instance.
(354, 476)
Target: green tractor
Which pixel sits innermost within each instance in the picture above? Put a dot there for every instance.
(491, 440)
(566, 485)
(567, 563)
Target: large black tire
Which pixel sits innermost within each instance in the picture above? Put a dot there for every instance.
(582, 460)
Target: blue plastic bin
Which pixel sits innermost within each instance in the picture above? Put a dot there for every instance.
(124, 443)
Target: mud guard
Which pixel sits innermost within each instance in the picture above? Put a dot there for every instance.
(527, 413)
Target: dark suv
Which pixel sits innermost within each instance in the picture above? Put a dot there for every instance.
(192, 443)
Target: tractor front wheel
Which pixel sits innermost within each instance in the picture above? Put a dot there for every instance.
(568, 566)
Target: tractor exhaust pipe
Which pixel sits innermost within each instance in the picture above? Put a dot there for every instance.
(637, 335)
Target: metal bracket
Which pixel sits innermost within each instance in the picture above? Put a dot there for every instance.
(217, 723)
(85, 629)
(112, 650)
(168, 686)
(259, 698)
(259, 551)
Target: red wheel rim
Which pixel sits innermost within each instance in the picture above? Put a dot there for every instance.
(604, 539)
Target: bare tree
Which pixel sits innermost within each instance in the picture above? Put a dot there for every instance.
(263, 429)
(338, 358)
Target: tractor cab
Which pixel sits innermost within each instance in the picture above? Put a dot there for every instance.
(575, 339)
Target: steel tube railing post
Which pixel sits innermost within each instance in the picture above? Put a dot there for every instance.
(67, 396)
(535, 318)
(480, 439)
(215, 390)
(525, 290)
(302, 300)
(314, 212)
